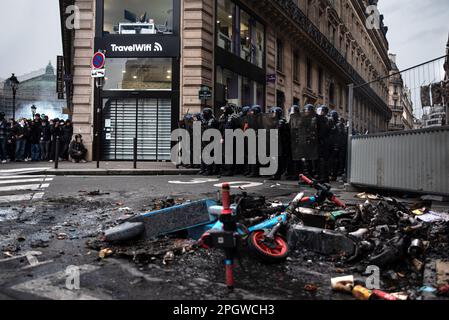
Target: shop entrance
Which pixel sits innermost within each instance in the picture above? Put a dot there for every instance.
(147, 119)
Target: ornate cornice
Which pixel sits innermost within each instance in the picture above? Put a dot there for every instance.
(295, 13)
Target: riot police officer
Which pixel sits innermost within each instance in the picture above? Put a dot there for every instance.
(187, 124)
(291, 165)
(337, 136)
(323, 144)
(254, 123)
(208, 121)
(283, 141)
(228, 121)
(243, 124)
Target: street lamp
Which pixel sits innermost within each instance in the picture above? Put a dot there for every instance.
(33, 110)
(14, 84)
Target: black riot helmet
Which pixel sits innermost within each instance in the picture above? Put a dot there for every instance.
(324, 110)
(309, 108)
(276, 110)
(245, 110)
(228, 109)
(207, 113)
(294, 110)
(256, 109)
(334, 115)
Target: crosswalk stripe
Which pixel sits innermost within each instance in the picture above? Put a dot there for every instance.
(28, 170)
(24, 177)
(25, 187)
(25, 180)
(16, 197)
(53, 286)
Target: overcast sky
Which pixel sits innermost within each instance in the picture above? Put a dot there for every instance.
(30, 32)
(30, 35)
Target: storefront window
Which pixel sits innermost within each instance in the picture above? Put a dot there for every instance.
(225, 24)
(138, 17)
(245, 36)
(240, 33)
(259, 45)
(138, 74)
(240, 90)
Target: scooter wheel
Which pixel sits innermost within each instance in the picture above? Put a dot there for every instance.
(275, 253)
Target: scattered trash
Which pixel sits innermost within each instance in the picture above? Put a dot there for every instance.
(365, 195)
(380, 295)
(8, 254)
(400, 295)
(428, 289)
(61, 236)
(95, 193)
(442, 271)
(444, 290)
(169, 257)
(361, 293)
(311, 288)
(104, 253)
(343, 284)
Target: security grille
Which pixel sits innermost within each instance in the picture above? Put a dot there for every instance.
(147, 119)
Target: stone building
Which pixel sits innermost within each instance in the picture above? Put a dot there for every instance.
(267, 52)
(38, 89)
(399, 100)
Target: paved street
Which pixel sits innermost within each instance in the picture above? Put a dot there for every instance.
(34, 261)
(49, 224)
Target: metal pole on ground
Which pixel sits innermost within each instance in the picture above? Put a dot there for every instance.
(350, 127)
(57, 153)
(135, 152)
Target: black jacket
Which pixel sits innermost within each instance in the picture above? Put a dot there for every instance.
(45, 133)
(77, 149)
(67, 133)
(56, 132)
(4, 129)
(34, 134)
(20, 132)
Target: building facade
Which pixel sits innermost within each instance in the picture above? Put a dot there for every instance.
(399, 100)
(37, 89)
(267, 52)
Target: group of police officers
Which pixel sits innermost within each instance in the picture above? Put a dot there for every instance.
(313, 141)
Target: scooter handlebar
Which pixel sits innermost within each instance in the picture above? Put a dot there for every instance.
(338, 202)
(305, 179)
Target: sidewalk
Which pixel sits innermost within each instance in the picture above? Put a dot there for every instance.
(90, 168)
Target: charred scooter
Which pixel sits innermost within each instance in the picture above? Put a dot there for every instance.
(266, 240)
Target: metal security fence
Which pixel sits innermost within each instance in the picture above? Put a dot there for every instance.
(415, 161)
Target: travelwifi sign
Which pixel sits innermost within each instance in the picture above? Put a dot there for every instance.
(154, 47)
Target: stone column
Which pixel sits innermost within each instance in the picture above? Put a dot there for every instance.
(197, 49)
(83, 100)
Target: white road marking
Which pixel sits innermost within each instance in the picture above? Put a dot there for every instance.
(134, 272)
(45, 287)
(194, 181)
(25, 180)
(26, 187)
(240, 184)
(28, 253)
(25, 177)
(21, 197)
(24, 170)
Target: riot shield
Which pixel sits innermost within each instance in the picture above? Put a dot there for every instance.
(255, 121)
(304, 141)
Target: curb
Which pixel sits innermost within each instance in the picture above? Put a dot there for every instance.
(115, 172)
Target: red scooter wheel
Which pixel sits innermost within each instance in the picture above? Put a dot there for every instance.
(274, 252)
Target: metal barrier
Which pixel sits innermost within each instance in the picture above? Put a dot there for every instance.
(414, 161)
